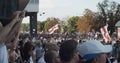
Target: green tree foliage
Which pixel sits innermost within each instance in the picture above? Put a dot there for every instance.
(43, 25)
(25, 27)
(109, 12)
(38, 26)
(63, 26)
(72, 24)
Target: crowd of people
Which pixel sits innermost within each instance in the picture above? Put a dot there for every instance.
(22, 48)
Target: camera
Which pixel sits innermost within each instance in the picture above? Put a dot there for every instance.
(7, 7)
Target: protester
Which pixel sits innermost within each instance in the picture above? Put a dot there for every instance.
(52, 46)
(28, 53)
(39, 51)
(52, 57)
(8, 32)
(94, 51)
(48, 47)
(68, 52)
(13, 55)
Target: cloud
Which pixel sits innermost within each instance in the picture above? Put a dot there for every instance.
(46, 4)
(26, 20)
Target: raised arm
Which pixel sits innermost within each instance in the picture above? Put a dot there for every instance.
(5, 31)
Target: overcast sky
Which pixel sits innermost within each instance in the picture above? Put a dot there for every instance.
(64, 8)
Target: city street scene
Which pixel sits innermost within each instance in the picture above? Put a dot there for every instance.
(59, 31)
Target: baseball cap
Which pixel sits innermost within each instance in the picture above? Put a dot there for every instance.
(92, 48)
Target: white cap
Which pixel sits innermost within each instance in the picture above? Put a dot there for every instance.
(92, 48)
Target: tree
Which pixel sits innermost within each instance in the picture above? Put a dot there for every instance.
(38, 26)
(109, 12)
(86, 22)
(83, 25)
(43, 25)
(25, 27)
(63, 26)
(72, 24)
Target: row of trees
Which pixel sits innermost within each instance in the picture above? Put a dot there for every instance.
(108, 13)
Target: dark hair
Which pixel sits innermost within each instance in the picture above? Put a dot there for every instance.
(48, 56)
(21, 42)
(26, 49)
(67, 49)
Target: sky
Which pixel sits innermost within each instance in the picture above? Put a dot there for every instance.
(64, 8)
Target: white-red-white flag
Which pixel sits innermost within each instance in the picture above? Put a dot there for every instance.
(41, 32)
(52, 29)
(105, 34)
(118, 30)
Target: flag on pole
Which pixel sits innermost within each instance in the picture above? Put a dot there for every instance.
(41, 32)
(118, 29)
(105, 34)
(52, 29)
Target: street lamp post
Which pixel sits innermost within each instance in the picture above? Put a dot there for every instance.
(42, 13)
(42, 26)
